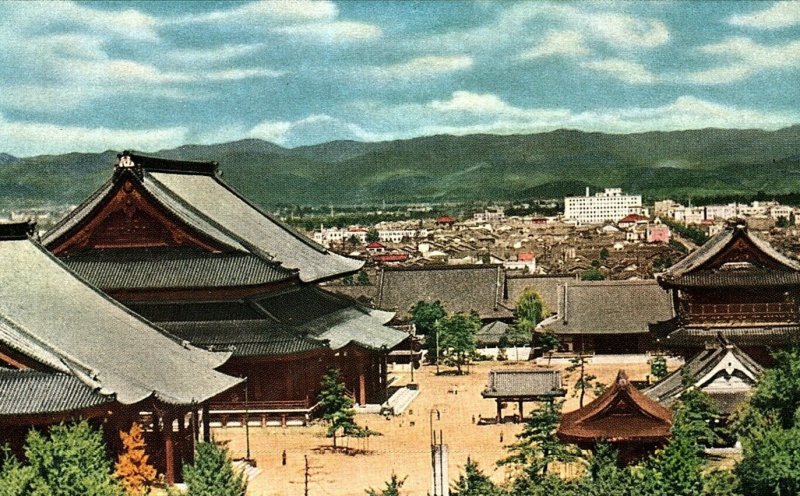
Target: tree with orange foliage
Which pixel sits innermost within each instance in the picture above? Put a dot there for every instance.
(132, 467)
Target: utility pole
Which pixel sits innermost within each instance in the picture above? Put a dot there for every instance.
(305, 492)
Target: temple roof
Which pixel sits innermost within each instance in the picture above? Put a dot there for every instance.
(196, 194)
(523, 383)
(725, 372)
(460, 288)
(621, 413)
(546, 286)
(491, 333)
(298, 319)
(743, 335)
(58, 320)
(30, 392)
(733, 257)
(245, 337)
(151, 268)
(609, 307)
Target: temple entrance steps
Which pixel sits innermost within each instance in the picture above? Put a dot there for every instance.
(250, 470)
(399, 401)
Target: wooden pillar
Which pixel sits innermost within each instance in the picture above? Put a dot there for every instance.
(182, 444)
(206, 423)
(499, 411)
(169, 449)
(521, 414)
(362, 383)
(385, 377)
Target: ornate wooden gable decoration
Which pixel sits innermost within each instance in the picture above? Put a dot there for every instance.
(129, 217)
(742, 250)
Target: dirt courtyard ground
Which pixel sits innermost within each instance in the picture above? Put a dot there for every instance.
(404, 446)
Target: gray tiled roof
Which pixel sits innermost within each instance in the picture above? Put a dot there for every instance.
(610, 307)
(173, 268)
(245, 338)
(522, 383)
(87, 331)
(745, 278)
(356, 325)
(669, 389)
(221, 205)
(460, 288)
(29, 392)
(491, 333)
(546, 286)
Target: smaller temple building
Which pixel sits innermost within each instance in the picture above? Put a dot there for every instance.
(724, 372)
(520, 386)
(622, 416)
(735, 285)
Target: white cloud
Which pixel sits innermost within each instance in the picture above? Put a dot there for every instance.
(127, 24)
(742, 58)
(307, 20)
(778, 15)
(22, 138)
(317, 128)
(469, 113)
(421, 67)
(567, 43)
(212, 55)
(623, 30)
(237, 74)
(331, 32)
(267, 11)
(624, 70)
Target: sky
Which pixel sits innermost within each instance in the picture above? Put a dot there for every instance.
(91, 76)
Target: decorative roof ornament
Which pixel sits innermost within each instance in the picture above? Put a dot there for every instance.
(125, 162)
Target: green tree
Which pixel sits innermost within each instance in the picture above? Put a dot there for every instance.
(592, 274)
(548, 342)
(696, 413)
(585, 382)
(675, 470)
(68, 461)
(363, 278)
(603, 476)
(372, 235)
(473, 482)
(527, 315)
(457, 337)
(604, 253)
(782, 222)
(537, 447)
(212, 474)
(353, 241)
(15, 478)
(348, 280)
(392, 488)
(424, 315)
(777, 396)
(658, 367)
(336, 406)
(770, 462)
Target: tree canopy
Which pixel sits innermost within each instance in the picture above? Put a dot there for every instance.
(457, 337)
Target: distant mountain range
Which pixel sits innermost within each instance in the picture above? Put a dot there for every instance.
(680, 164)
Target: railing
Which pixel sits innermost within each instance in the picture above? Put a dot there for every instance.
(264, 413)
(752, 312)
(277, 405)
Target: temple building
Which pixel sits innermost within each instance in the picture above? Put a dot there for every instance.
(736, 286)
(69, 351)
(173, 242)
(608, 317)
(622, 416)
(726, 373)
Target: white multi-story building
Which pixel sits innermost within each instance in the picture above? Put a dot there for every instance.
(496, 214)
(396, 235)
(610, 205)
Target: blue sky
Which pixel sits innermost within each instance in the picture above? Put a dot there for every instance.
(91, 76)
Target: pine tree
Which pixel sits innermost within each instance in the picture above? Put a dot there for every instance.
(457, 337)
(585, 382)
(473, 482)
(337, 406)
(212, 474)
(69, 461)
(132, 468)
(392, 487)
(537, 446)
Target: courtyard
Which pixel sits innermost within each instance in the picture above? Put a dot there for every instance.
(403, 447)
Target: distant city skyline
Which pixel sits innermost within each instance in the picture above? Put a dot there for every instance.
(92, 76)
